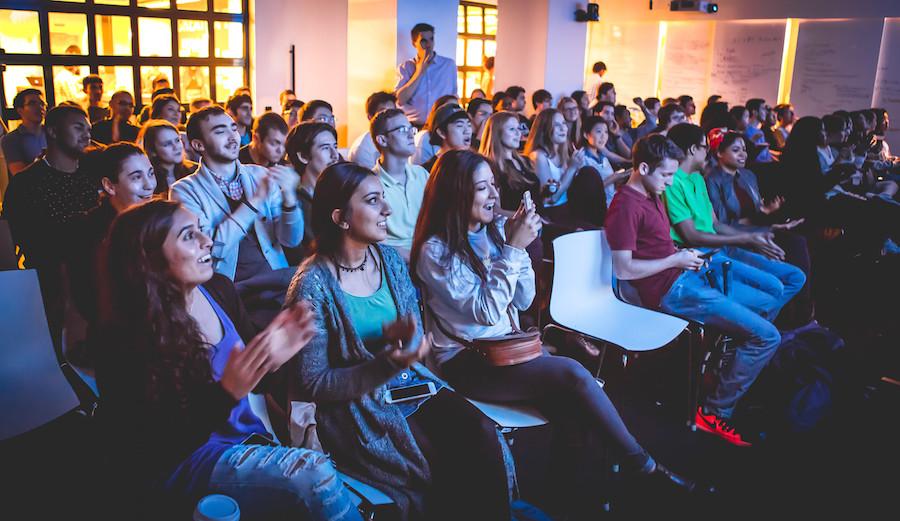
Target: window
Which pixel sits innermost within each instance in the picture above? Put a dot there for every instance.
(476, 25)
(200, 46)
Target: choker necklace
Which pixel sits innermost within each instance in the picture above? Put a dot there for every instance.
(361, 267)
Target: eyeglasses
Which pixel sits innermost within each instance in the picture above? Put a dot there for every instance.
(405, 130)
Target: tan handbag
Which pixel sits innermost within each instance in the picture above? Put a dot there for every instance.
(499, 351)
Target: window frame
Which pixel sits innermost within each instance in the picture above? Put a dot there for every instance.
(93, 60)
(466, 36)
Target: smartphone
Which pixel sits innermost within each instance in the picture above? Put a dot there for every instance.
(526, 200)
(708, 254)
(410, 392)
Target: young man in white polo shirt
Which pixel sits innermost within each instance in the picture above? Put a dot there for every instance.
(404, 183)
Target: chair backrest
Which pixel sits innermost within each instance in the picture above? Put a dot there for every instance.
(575, 258)
(33, 389)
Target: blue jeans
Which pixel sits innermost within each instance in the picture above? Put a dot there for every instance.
(755, 297)
(282, 482)
(791, 277)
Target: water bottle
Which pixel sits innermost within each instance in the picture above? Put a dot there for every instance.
(217, 507)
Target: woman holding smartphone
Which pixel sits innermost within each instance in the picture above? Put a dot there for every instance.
(174, 375)
(426, 452)
(475, 276)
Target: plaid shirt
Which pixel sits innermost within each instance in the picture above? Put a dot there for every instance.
(233, 188)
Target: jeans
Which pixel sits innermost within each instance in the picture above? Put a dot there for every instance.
(755, 297)
(281, 483)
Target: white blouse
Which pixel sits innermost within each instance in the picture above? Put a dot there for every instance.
(467, 307)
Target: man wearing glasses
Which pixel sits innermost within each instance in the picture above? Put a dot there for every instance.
(118, 127)
(28, 141)
(318, 110)
(404, 183)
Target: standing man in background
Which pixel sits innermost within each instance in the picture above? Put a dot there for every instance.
(593, 86)
(425, 78)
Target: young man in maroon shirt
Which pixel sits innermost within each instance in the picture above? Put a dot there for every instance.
(677, 282)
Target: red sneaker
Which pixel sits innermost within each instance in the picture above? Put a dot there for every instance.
(719, 427)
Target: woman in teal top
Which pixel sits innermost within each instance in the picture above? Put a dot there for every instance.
(425, 454)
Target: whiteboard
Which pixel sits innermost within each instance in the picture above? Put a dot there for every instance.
(834, 66)
(629, 52)
(887, 80)
(686, 66)
(746, 60)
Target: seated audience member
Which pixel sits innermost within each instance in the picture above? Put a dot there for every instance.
(174, 375)
(167, 107)
(514, 172)
(368, 339)
(593, 142)
(317, 110)
(548, 148)
(669, 116)
(694, 222)
(404, 182)
(477, 94)
(450, 130)
(243, 90)
(784, 114)
(712, 99)
(674, 280)
(740, 119)
(93, 90)
(650, 108)
(524, 127)
(311, 148)
(501, 101)
(517, 94)
(540, 99)
(424, 149)
(690, 108)
(669, 101)
(240, 108)
(606, 92)
(118, 126)
(623, 120)
(291, 112)
(249, 211)
(715, 115)
(267, 146)
(839, 149)
(424, 78)
(616, 149)
(42, 200)
(882, 124)
(27, 141)
(757, 116)
(285, 96)
(479, 110)
(164, 146)
(475, 277)
(363, 151)
(199, 104)
(768, 129)
(584, 101)
(568, 107)
(126, 179)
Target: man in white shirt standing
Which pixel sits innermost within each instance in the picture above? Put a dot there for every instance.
(404, 183)
(363, 151)
(425, 78)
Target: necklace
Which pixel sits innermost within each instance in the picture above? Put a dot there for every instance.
(361, 267)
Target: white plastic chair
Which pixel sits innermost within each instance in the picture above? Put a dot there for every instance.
(33, 389)
(583, 301)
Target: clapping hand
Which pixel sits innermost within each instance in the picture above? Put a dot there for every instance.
(400, 334)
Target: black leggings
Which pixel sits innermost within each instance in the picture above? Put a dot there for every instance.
(560, 387)
(462, 447)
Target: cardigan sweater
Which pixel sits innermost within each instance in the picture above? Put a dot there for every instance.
(368, 438)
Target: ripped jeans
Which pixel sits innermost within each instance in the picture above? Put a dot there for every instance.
(282, 483)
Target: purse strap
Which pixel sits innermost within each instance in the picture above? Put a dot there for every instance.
(462, 341)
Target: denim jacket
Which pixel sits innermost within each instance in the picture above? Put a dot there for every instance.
(726, 204)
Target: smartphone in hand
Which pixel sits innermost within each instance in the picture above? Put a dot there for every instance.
(527, 202)
(708, 254)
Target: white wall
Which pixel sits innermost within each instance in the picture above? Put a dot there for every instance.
(521, 44)
(751, 9)
(270, 43)
(439, 13)
(566, 48)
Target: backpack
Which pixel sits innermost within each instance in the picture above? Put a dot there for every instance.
(799, 379)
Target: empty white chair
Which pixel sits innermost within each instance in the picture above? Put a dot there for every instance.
(33, 389)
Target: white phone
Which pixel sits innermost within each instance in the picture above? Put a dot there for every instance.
(410, 392)
(526, 198)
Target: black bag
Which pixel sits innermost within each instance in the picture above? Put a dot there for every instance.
(800, 379)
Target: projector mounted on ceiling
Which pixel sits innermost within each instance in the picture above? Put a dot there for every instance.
(694, 5)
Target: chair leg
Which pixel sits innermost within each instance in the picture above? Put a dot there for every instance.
(695, 337)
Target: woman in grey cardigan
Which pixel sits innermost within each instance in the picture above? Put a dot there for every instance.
(425, 453)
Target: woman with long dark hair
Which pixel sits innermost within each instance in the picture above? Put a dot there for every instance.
(174, 375)
(163, 144)
(475, 277)
(425, 453)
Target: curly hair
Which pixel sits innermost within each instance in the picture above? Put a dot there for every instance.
(145, 307)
